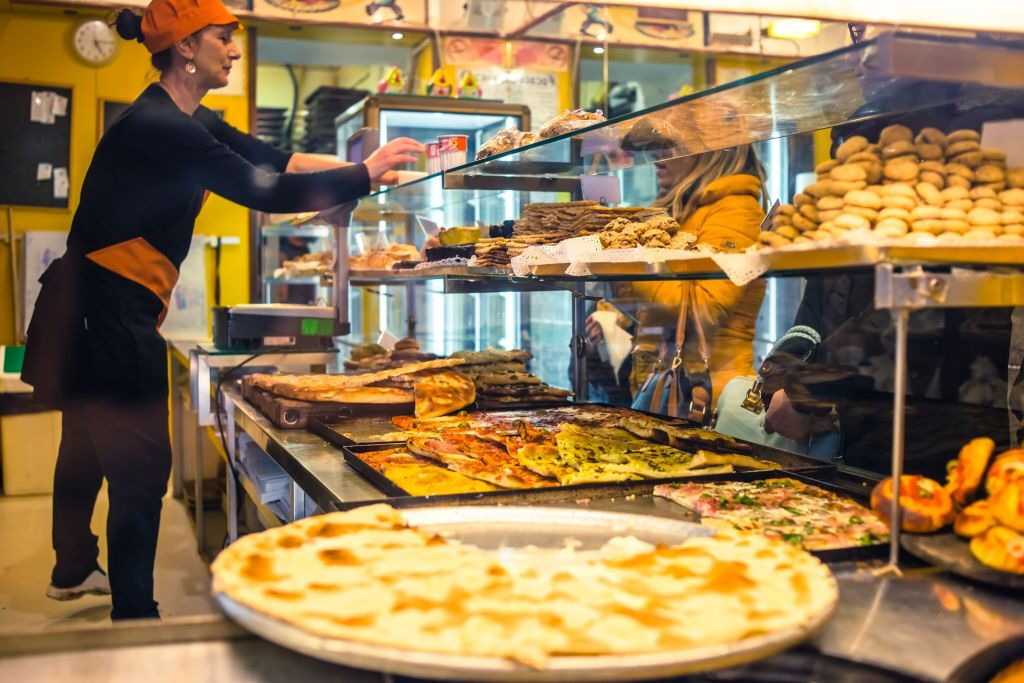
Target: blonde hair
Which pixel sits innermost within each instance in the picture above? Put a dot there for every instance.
(681, 200)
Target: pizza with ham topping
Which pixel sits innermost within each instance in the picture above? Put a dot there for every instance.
(802, 514)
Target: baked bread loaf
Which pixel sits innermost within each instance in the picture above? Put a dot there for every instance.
(974, 519)
(924, 504)
(1008, 505)
(1007, 467)
(964, 474)
(1001, 549)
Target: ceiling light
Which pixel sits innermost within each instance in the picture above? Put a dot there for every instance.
(397, 36)
(599, 50)
(794, 29)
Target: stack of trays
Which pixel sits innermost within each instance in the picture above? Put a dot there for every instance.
(323, 106)
(270, 126)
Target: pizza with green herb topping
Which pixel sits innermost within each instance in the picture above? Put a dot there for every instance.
(802, 514)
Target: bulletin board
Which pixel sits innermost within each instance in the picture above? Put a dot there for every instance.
(25, 144)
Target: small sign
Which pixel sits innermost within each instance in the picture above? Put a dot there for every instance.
(766, 224)
(429, 227)
(387, 340)
(1007, 136)
(44, 172)
(606, 189)
(60, 105)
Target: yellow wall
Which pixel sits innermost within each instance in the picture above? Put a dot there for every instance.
(35, 47)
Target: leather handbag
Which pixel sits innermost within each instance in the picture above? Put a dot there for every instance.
(674, 389)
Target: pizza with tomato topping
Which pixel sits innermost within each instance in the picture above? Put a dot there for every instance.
(802, 514)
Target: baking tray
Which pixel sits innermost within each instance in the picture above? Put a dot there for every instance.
(510, 528)
(952, 553)
(636, 496)
(290, 413)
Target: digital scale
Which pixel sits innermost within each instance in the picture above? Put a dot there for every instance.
(276, 326)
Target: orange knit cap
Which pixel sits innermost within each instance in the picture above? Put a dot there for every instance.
(168, 21)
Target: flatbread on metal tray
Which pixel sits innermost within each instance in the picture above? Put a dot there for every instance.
(367, 576)
(476, 457)
(319, 387)
(651, 428)
(443, 392)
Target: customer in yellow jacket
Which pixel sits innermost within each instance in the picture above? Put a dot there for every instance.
(719, 198)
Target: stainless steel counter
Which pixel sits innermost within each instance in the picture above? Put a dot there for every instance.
(923, 625)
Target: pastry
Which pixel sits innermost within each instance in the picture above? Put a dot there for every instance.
(1015, 177)
(960, 170)
(852, 221)
(852, 145)
(828, 215)
(778, 220)
(892, 227)
(974, 519)
(1014, 229)
(933, 177)
(957, 225)
(899, 190)
(930, 194)
(1011, 216)
(810, 212)
(962, 135)
(981, 233)
(983, 193)
(891, 212)
(841, 187)
(982, 216)
(1001, 549)
(997, 187)
(830, 202)
(1008, 505)
(970, 159)
(953, 212)
(870, 214)
(988, 203)
(1006, 468)
(933, 225)
(901, 169)
(774, 240)
(817, 190)
(802, 223)
(964, 474)
(951, 238)
(824, 167)
(928, 151)
(443, 392)
(899, 202)
(953, 193)
(901, 148)
(863, 198)
(923, 211)
(1014, 239)
(865, 156)
(800, 199)
(964, 205)
(1014, 197)
(962, 146)
(958, 181)
(993, 154)
(924, 504)
(787, 209)
(989, 173)
(894, 133)
(932, 136)
(848, 172)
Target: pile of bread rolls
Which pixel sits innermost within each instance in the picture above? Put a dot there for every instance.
(990, 514)
(926, 188)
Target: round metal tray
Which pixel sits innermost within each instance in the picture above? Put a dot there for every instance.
(952, 553)
(516, 527)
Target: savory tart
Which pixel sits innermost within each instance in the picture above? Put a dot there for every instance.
(784, 508)
(1001, 549)
(965, 473)
(366, 576)
(925, 506)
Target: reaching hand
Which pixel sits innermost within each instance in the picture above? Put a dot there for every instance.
(782, 418)
(381, 164)
(594, 332)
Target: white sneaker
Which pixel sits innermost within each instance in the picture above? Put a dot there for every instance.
(96, 583)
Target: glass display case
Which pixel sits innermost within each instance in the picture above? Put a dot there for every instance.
(793, 117)
(423, 119)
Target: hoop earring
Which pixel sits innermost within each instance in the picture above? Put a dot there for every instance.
(190, 67)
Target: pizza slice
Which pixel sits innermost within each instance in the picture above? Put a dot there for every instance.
(477, 458)
(441, 393)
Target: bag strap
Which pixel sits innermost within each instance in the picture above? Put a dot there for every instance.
(702, 342)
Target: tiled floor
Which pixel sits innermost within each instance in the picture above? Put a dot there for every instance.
(182, 578)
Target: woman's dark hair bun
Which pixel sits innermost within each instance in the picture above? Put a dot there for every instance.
(129, 25)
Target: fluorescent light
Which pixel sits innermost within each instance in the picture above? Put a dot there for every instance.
(794, 29)
(397, 36)
(599, 50)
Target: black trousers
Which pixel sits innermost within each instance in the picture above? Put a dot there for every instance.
(130, 447)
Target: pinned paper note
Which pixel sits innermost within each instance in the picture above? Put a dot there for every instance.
(60, 105)
(44, 172)
(60, 183)
(606, 189)
(1007, 136)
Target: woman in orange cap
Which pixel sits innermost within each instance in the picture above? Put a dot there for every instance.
(94, 350)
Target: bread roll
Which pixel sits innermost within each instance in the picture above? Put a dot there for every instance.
(974, 519)
(1001, 549)
(925, 506)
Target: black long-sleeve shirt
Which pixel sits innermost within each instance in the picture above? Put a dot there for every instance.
(152, 168)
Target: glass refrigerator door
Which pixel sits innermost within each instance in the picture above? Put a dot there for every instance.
(426, 126)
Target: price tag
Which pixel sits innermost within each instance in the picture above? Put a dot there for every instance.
(1007, 136)
(606, 189)
(387, 340)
